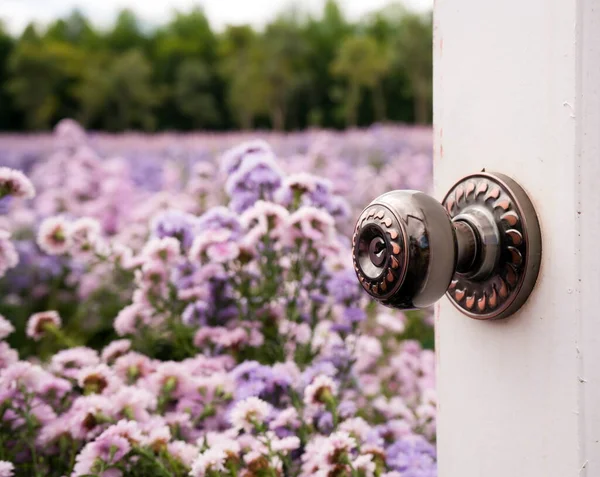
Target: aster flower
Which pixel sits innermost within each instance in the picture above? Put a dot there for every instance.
(312, 224)
(177, 224)
(97, 379)
(6, 327)
(231, 159)
(132, 366)
(166, 249)
(249, 414)
(9, 257)
(209, 462)
(106, 450)
(183, 452)
(85, 237)
(68, 362)
(14, 183)
(219, 218)
(131, 318)
(115, 349)
(321, 391)
(6, 469)
(337, 448)
(54, 236)
(39, 323)
(8, 355)
(364, 465)
(257, 177)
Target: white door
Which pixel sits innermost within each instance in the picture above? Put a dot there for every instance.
(517, 91)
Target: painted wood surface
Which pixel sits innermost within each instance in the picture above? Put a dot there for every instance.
(517, 90)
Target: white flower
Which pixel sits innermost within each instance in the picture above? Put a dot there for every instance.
(317, 391)
(210, 460)
(6, 469)
(54, 236)
(249, 413)
(365, 465)
(6, 327)
(337, 445)
(85, 236)
(287, 444)
(14, 183)
(36, 326)
(9, 258)
(166, 249)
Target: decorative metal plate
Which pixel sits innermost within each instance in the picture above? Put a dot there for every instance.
(509, 284)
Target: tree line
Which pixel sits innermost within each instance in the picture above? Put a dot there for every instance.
(298, 71)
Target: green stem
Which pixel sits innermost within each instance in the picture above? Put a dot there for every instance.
(151, 458)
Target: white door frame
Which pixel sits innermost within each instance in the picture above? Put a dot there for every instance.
(517, 91)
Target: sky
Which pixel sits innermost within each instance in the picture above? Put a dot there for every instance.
(16, 14)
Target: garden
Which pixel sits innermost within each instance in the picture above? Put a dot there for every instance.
(184, 304)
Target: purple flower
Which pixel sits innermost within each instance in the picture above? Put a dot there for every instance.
(256, 178)
(177, 224)
(344, 287)
(413, 456)
(220, 218)
(196, 313)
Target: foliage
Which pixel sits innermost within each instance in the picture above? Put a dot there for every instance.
(299, 71)
(194, 313)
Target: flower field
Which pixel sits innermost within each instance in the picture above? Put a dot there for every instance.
(176, 305)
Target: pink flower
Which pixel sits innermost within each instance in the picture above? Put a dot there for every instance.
(54, 236)
(8, 355)
(115, 349)
(166, 249)
(131, 318)
(183, 452)
(210, 461)
(98, 379)
(285, 445)
(132, 366)
(133, 403)
(9, 258)
(215, 245)
(38, 324)
(68, 362)
(106, 450)
(250, 413)
(320, 391)
(312, 224)
(6, 327)
(261, 219)
(222, 252)
(15, 184)
(6, 469)
(88, 415)
(85, 237)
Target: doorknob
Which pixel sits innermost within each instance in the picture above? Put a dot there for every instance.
(481, 246)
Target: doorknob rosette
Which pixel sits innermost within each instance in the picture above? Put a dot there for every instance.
(481, 246)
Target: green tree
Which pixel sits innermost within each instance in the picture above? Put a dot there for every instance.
(412, 46)
(43, 75)
(7, 117)
(281, 59)
(126, 34)
(186, 39)
(192, 93)
(323, 36)
(118, 94)
(240, 66)
(363, 63)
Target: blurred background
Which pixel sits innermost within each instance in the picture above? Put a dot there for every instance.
(160, 65)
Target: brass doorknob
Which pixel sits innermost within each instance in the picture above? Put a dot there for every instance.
(481, 246)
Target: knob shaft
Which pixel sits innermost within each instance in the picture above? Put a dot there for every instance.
(482, 245)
